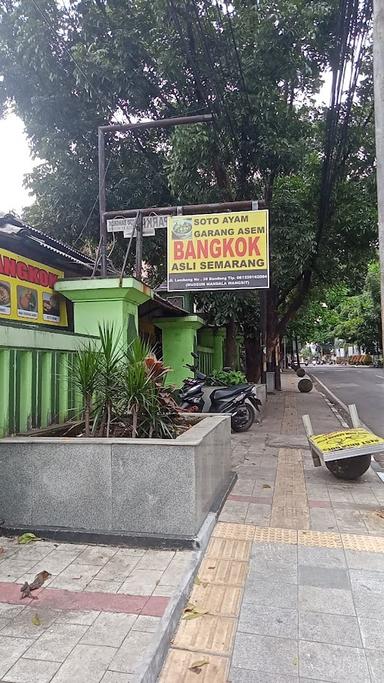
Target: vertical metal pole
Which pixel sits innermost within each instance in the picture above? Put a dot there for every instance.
(139, 246)
(378, 69)
(263, 321)
(102, 204)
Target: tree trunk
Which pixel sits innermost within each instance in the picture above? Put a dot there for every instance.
(297, 351)
(87, 413)
(230, 345)
(252, 357)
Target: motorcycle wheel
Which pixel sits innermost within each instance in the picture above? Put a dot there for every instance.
(243, 419)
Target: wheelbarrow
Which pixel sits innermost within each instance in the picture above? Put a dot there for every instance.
(347, 454)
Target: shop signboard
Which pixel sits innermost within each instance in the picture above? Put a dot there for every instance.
(219, 251)
(26, 291)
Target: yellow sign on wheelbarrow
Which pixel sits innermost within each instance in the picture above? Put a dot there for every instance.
(350, 438)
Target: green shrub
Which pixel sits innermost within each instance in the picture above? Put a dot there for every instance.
(231, 378)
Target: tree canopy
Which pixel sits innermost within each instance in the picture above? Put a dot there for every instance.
(257, 66)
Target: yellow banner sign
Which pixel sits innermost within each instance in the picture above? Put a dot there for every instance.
(350, 438)
(218, 251)
(26, 291)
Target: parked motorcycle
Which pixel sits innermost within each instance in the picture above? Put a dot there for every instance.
(233, 400)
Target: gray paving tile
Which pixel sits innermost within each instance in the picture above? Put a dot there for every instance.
(118, 568)
(277, 656)
(156, 559)
(10, 651)
(56, 643)
(371, 632)
(268, 621)
(141, 582)
(363, 560)
(327, 577)
(22, 625)
(329, 628)
(234, 511)
(330, 600)
(248, 676)
(322, 519)
(31, 671)
(276, 554)
(321, 557)
(109, 629)
(130, 655)
(146, 624)
(368, 603)
(258, 514)
(332, 663)
(287, 574)
(365, 580)
(270, 593)
(115, 677)
(350, 521)
(75, 577)
(97, 555)
(85, 664)
(96, 586)
(9, 611)
(376, 665)
(84, 617)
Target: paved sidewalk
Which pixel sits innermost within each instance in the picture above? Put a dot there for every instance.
(292, 584)
(99, 617)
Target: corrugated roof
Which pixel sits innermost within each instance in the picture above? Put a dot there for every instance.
(46, 241)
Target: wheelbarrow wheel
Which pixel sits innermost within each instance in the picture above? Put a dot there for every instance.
(349, 468)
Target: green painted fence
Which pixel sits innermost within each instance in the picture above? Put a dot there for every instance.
(37, 389)
(36, 378)
(205, 359)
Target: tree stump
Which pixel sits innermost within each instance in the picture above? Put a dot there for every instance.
(300, 372)
(305, 385)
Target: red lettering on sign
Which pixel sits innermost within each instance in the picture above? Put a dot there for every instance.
(8, 266)
(229, 247)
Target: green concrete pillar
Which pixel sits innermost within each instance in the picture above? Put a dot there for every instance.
(218, 348)
(4, 391)
(102, 300)
(46, 388)
(25, 382)
(63, 380)
(178, 340)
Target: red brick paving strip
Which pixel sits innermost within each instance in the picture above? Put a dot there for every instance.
(153, 606)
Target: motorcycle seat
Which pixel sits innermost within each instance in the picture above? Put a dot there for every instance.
(227, 392)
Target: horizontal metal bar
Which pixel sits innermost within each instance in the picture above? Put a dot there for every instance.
(160, 123)
(189, 209)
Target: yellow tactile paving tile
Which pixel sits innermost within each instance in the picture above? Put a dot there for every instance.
(223, 572)
(218, 600)
(228, 549)
(271, 535)
(319, 539)
(178, 663)
(206, 634)
(371, 544)
(239, 532)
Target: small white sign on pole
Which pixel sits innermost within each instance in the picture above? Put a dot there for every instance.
(125, 225)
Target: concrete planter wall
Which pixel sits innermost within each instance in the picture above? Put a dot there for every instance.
(110, 488)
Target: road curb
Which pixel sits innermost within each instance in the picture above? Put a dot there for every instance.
(151, 668)
(338, 401)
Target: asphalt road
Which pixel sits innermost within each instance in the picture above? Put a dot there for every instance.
(362, 386)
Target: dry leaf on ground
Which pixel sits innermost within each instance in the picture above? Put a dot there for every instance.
(36, 621)
(192, 612)
(196, 666)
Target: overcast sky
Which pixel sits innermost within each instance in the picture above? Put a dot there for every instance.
(16, 160)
